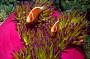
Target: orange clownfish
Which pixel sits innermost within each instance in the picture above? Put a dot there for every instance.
(54, 27)
(34, 14)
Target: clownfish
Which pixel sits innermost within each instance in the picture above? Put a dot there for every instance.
(34, 13)
(54, 27)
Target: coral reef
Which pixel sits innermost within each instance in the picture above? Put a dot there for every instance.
(6, 7)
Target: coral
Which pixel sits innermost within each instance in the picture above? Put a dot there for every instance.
(6, 8)
(81, 5)
(2, 15)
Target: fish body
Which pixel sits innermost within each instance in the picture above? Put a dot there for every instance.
(34, 13)
(54, 27)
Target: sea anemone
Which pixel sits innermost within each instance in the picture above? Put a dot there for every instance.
(49, 35)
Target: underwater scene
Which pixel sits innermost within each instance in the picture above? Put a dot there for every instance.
(44, 29)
